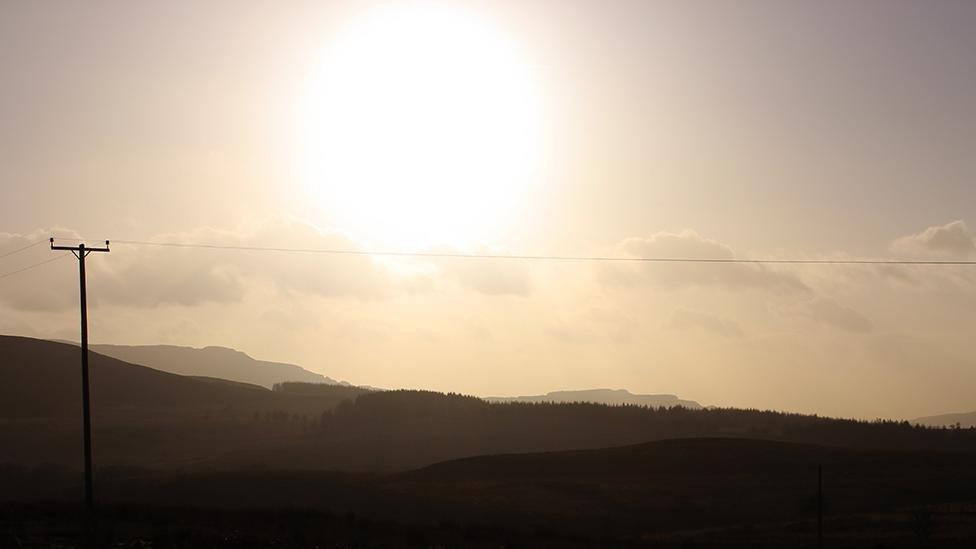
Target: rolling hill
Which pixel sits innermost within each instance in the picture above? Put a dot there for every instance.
(671, 484)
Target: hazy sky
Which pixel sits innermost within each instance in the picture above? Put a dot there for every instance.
(816, 129)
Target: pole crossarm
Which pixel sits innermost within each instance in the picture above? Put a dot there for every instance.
(79, 248)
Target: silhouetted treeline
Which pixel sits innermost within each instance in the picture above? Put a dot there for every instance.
(410, 428)
(318, 389)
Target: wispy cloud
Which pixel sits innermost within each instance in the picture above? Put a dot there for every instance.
(952, 239)
(689, 244)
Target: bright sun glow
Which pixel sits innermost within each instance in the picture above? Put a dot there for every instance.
(421, 126)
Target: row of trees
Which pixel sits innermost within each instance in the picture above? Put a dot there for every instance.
(425, 412)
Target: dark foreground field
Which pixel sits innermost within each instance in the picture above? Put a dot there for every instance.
(143, 526)
(677, 493)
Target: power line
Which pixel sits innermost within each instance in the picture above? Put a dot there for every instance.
(29, 267)
(458, 255)
(27, 247)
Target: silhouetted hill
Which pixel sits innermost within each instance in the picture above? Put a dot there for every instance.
(671, 484)
(217, 362)
(139, 413)
(610, 397)
(964, 420)
(42, 379)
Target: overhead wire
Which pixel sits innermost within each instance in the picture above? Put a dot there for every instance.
(18, 250)
(461, 255)
(32, 266)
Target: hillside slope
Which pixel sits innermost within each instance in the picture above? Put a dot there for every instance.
(42, 379)
(140, 415)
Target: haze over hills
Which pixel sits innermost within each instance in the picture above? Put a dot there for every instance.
(965, 420)
(611, 397)
(147, 417)
(234, 365)
(219, 362)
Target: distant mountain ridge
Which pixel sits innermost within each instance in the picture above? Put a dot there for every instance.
(605, 396)
(965, 420)
(212, 361)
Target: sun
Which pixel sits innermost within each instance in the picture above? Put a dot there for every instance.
(421, 126)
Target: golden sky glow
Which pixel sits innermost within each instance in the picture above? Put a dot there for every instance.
(758, 128)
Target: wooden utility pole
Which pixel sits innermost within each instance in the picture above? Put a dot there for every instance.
(81, 251)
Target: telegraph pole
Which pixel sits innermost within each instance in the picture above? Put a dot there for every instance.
(81, 252)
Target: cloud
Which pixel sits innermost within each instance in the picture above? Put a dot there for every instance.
(827, 311)
(48, 287)
(148, 276)
(689, 244)
(495, 277)
(953, 239)
(326, 275)
(687, 319)
(151, 276)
